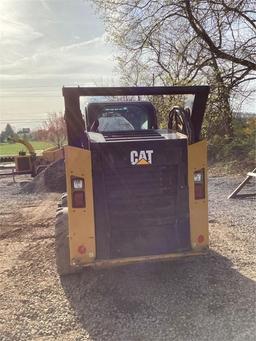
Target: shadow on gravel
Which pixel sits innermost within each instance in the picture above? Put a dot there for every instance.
(201, 298)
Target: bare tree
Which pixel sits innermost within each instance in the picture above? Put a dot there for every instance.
(55, 128)
(227, 27)
(183, 42)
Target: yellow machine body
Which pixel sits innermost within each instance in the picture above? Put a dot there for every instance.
(198, 209)
(53, 154)
(35, 163)
(81, 222)
(25, 143)
(23, 163)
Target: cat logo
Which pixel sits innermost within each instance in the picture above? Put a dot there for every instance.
(141, 158)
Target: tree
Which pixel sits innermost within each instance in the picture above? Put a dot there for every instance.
(9, 130)
(183, 42)
(3, 136)
(210, 21)
(226, 28)
(55, 129)
(40, 135)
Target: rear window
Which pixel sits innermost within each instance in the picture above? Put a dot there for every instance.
(118, 117)
(114, 123)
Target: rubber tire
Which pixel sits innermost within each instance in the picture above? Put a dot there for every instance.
(62, 255)
(64, 200)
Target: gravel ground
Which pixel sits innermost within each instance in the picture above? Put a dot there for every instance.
(202, 298)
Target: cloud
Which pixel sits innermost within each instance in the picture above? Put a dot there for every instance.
(46, 6)
(16, 36)
(39, 47)
(93, 42)
(92, 58)
(12, 27)
(13, 31)
(46, 44)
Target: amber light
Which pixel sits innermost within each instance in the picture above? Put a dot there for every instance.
(199, 184)
(78, 199)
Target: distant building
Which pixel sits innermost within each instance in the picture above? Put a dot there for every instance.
(24, 131)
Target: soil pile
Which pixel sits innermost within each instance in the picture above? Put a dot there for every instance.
(52, 179)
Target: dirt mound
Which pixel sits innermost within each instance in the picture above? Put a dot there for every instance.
(52, 179)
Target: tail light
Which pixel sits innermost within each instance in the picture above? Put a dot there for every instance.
(199, 184)
(78, 199)
(78, 192)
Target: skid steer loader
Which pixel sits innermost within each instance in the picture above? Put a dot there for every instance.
(134, 192)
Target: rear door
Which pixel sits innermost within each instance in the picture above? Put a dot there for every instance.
(140, 198)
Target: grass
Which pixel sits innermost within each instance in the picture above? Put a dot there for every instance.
(15, 148)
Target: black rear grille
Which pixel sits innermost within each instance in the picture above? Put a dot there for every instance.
(141, 195)
(140, 210)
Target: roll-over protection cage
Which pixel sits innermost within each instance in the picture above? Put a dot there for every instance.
(76, 124)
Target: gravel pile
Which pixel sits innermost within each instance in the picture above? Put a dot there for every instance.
(52, 179)
(201, 298)
(237, 215)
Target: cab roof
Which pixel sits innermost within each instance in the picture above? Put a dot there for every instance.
(75, 122)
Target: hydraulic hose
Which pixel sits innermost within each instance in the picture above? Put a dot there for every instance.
(180, 121)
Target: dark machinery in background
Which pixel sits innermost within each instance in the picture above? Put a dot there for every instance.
(30, 163)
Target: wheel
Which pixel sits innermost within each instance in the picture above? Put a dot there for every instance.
(63, 202)
(62, 244)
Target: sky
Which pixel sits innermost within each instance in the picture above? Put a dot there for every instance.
(47, 44)
(44, 45)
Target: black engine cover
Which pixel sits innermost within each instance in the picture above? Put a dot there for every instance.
(140, 197)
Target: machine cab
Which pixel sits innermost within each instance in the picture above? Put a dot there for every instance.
(120, 116)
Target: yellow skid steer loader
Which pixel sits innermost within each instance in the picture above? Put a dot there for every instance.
(134, 192)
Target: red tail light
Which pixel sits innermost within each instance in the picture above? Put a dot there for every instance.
(78, 192)
(78, 199)
(199, 184)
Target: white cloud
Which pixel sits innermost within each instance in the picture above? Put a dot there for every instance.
(92, 57)
(48, 44)
(14, 31)
(93, 43)
(35, 49)
(46, 6)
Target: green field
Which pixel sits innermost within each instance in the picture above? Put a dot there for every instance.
(15, 148)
